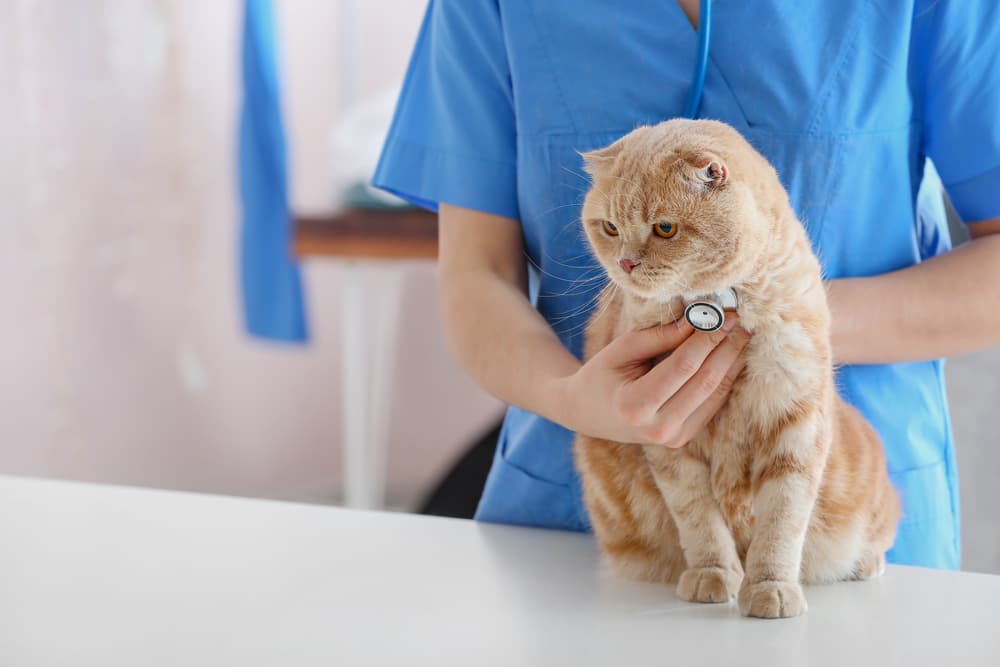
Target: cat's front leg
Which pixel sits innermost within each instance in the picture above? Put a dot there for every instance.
(785, 482)
(714, 570)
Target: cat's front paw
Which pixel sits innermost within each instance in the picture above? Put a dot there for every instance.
(708, 584)
(772, 599)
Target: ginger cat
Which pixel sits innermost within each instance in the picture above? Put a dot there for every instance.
(788, 483)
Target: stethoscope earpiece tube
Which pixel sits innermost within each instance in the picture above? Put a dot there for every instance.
(701, 59)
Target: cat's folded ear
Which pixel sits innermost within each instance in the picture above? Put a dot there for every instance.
(602, 157)
(707, 170)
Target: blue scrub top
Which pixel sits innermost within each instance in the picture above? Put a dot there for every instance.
(846, 99)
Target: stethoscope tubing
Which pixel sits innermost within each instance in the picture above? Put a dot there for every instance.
(701, 59)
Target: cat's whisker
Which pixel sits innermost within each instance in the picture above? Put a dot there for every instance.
(595, 265)
(576, 173)
(585, 306)
(670, 310)
(586, 254)
(576, 312)
(597, 316)
(573, 290)
(573, 282)
(587, 280)
(560, 207)
(590, 185)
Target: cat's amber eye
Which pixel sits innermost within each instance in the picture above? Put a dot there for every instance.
(609, 228)
(666, 230)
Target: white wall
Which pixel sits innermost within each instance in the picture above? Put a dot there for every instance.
(122, 357)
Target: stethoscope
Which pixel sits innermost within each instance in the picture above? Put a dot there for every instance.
(706, 313)
(701, 59)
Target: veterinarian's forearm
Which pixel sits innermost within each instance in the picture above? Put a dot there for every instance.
(495, 333)
(946, 306)
(503, 342)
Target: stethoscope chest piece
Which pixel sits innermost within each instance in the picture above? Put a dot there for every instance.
(708, 313)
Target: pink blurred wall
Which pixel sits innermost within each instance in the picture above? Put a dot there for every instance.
(122, 357)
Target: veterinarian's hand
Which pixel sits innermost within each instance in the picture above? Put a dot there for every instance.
(623, 394)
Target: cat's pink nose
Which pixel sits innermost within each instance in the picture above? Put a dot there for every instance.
(628, 264)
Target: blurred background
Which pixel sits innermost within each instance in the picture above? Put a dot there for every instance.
(123, 353)
(124, 358)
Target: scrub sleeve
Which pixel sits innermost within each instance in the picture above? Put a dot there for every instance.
(961, 102)
(453, 136)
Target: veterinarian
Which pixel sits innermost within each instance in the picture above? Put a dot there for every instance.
(846, 99)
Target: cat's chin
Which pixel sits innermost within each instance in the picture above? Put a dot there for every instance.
(661, 292)
(661, 295)
(655, 293)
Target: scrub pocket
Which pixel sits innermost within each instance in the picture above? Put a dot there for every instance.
(928, 534)
(532, 481)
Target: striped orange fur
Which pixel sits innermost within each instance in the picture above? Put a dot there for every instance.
(788, 483)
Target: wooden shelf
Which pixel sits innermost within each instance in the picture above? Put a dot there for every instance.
(367, 233)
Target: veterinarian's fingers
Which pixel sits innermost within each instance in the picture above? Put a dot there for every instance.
(699, 419)
(668, 376)
(706, 382)
(649, 343)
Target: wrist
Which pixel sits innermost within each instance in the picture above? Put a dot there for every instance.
(559, 400)
(842, 320)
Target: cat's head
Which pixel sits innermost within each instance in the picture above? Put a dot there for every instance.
(672, 209)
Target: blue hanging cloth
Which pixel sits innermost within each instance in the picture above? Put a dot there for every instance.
(272, 286)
